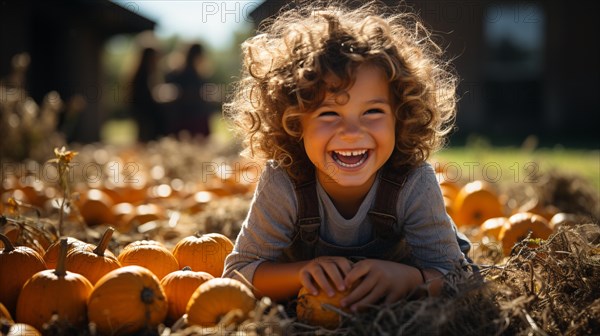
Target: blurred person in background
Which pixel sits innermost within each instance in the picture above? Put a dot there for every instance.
(190, 111)
(145, 109)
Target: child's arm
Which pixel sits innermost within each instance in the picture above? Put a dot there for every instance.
(281, 281)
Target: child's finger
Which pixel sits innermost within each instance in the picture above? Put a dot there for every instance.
(307, 281)
(364, 288)
(333, 271)
(322, 281)
(356, 272)
(345, 266)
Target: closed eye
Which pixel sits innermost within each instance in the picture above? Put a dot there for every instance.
(328, 114)
(374, 111)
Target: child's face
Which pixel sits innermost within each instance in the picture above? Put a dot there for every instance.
(349, 140)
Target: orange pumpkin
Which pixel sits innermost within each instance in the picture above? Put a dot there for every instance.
(311, 309)
(93, 262)
(492, 226)
(142, 213)
(520, 225)
(63, 293)
(94, 207)
(127, 300)
(475, 202)
(17, 265)
(133, 192)
(206, 252)
(179, 287)
(151, 255)
(22, 329)
(216, 298)
(51, 255)
(122, 212)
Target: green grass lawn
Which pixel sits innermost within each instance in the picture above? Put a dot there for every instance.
(517, 165)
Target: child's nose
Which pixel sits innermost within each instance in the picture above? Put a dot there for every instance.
(350, 130)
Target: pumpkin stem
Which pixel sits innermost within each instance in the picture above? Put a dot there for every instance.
(61, 269)
(186, 268)
(8, 246)
(147, 295)
(103, 244)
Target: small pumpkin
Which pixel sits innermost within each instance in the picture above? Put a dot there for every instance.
(127, 300)
(151, 255)
(475, 202)
(204, 252)
(51, 255)
(492, 226)
(312, 309)
(94, 207)
(133, 192)
(142, 213)
(62, 292)
(92, 261)
(218, 297)
(122, 212)
(520, 225)
(179, 287)
(17, 265)
(22, 329)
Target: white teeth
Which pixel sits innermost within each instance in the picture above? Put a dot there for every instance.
(351, 153)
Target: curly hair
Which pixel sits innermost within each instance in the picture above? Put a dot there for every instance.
(288, 68)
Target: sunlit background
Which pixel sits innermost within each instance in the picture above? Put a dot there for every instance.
(529, 75)
(219, 26)
(214, 23)
(525, 69)
(82, 151)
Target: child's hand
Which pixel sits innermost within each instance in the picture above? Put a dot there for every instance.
(379, 279)
(325, 271)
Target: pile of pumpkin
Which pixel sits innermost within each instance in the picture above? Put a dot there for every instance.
(481, 212)
(82, 285)
(148, 284)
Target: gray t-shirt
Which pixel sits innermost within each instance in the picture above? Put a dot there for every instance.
(269, 226)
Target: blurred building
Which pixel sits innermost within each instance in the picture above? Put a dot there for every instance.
(64, 40)
(526, 67)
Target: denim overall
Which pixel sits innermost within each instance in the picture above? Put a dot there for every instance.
(388, 241)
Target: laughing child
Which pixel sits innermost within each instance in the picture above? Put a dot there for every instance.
(344, 107)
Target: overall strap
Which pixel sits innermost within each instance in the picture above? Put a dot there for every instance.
(309, 220)
(383, 213)
(306, 235)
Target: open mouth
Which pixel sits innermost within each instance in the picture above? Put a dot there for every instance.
(350, 159)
